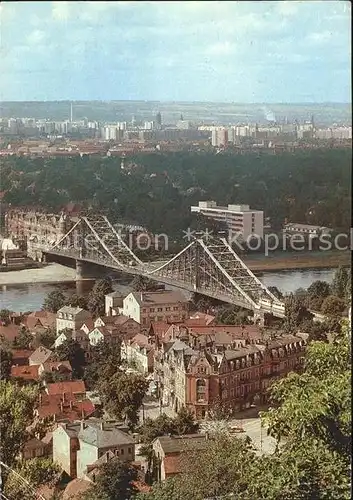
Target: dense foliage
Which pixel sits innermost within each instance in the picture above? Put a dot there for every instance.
(36, 472)
(312, 186)
(16, 414)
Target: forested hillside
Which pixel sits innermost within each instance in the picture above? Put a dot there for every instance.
(157, 190)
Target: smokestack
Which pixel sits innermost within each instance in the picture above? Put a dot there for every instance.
(71, 113)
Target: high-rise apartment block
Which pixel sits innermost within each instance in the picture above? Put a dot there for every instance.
(239, 219)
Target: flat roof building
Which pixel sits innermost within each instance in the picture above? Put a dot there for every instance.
(238, 218)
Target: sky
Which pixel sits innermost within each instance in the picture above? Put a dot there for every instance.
(244, 52)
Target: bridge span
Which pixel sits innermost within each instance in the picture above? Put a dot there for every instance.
(209, 268)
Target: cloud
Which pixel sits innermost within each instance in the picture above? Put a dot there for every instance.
(288, 8)
(220, 49)
(61, 10)
(36, 37)
(320, 38)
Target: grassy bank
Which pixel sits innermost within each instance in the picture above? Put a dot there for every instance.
(292, 261)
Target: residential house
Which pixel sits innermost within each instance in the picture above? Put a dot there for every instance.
(98, 437)
(164, 305)
(20, 357)
(103, 334)
(168, 452)
(197, 372)
(8, 333)
(76, 388)
(41, 355)
(40, 321)
(34, 448)
(78, 335)
(60, 367)
(78, 445)
(113, 301)
(25, 373)
(71, 318)
(140, 351)
(63, 408)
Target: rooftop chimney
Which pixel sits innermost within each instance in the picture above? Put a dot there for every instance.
(82, 425)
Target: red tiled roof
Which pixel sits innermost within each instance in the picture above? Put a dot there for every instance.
(141, 486)
(69, 387)
(89, 323)
(20, 354)
(50, 366)
(159, 328)
(25, 372)
(9, 332)
(172, 464)
(237, 331)
(75, 488)
(40, 318)
(70, 410)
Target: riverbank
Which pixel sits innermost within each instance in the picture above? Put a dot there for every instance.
(297, 262)
(52, 273)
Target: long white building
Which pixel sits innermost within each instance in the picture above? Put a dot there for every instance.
(238, 218)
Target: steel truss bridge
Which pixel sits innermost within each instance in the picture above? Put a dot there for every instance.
(209, 268)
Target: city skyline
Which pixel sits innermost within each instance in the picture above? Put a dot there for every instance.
(250, 52)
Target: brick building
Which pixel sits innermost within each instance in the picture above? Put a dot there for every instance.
(196, 371)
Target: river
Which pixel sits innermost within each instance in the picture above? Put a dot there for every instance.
(29, 296)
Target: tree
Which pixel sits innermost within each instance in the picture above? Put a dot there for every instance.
(5, 316)
(46, 338)
(5, 363)
(77, 301)
(104, 363)
(170, 489)
(339, 283)
(276, 292)
(113, 482)
(333, 306)
(70, 350)
(295, 313)
(23, 339)
(316, 404)
(143, 284)
(37, 472)
(123, 394)
(16, 409)
(96, 298)
(52, 377)
(318, 289)
(184, 422)
(54, 301)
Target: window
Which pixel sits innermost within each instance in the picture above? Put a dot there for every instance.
(159, 309)
(129, 450)
(122, 451)
(152, 310)
(167, 308)
(200, 389)
(175, 308)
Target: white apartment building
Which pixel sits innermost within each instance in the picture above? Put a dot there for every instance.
(71, 318)
(220, 137)
(238, 218)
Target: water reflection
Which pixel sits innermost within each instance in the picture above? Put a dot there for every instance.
(30, 297)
